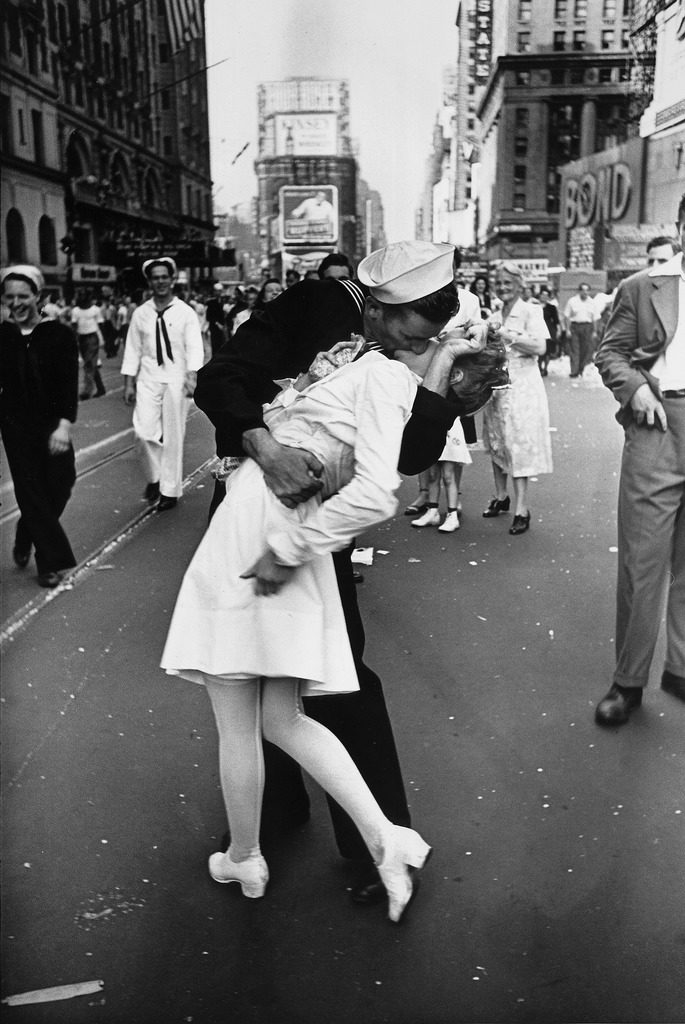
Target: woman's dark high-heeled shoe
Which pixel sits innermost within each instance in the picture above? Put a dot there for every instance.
(496, 506)
(520, 524)
(417, 507)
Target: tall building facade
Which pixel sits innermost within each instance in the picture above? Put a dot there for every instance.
(306, 174)
(559, 89)
(105, 138)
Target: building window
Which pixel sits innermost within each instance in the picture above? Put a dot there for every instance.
(580, 9)
(107, 58)
(52, 22)
(163, 53)
(47, 243)
(13, 29)
(624, 74)
(16, 237)
(559, 43)
(38, 139)
(522, 117)
(560, 9)
(627, 8)
(579, 39)
(189, 200)
(605, 76)
(22, 129)
(166, 99)
(609, 9)
(607, 38)
(62, 23)
(625, 38)
(521, 147)
(557, 76)
(524, 10)
(168, 150)
(32, 53)
(523, 77)
(78, 90)
(524, 42)
(576, 76)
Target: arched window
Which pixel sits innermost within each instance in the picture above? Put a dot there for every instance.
(78, 159)
(119, 176)
(16, 237)
(152, 191)
(47, 242)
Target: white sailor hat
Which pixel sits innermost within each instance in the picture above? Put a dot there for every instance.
(26, 271)
(405, 271)
(160, 260)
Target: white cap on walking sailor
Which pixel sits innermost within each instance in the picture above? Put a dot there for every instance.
(160, 261)
(405, 271)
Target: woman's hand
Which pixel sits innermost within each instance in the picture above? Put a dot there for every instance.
(268, 575)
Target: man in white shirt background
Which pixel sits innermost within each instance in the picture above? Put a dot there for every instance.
(163, 353)
(580, 316)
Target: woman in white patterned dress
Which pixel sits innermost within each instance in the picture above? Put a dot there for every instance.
(516, 422)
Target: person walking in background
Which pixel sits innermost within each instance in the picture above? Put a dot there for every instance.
(216, 319)
(86, 318)
(480, 287)
(271, 288)
(642, 361)
(250, 295)
(550, 313)
(579, 321)
(516, 422)
(337, 265)
(39, 388)
(108, 326)
(163, 353)
(291, 277)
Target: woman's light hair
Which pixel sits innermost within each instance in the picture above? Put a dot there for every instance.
(511, 268)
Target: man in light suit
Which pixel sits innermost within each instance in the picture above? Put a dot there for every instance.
(642, 360)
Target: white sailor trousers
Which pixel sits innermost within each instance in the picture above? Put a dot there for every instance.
(159, 423)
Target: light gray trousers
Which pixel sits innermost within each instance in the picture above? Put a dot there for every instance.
(651, 547)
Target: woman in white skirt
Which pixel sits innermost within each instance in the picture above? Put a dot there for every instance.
(259, 621)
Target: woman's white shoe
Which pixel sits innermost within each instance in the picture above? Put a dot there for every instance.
(402, 849)
(252, 874)
(450, 524)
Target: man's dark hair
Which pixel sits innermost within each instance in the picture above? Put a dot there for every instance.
(334, 259)
(437, 308)
(662, 240)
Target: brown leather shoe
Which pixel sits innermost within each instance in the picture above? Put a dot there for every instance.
(673, 684)
(616, 707)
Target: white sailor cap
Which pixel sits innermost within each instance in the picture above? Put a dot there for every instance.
(26, 271)
(405, 271)
(160, 261)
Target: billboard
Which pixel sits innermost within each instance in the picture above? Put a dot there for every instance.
(309, 214)
(306, 134)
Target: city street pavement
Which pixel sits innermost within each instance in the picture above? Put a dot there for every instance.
(556, 892)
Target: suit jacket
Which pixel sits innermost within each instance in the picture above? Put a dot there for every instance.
(641, 325)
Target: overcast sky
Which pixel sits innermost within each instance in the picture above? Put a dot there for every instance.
(392, 52)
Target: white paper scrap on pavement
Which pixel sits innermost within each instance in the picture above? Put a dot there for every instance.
(363, 556)
(50, 995)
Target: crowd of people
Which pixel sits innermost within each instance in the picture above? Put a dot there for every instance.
(321, 394)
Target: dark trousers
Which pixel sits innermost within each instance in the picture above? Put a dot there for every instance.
(580, 347)
(359, 720)
(42, 486)
(89, 347)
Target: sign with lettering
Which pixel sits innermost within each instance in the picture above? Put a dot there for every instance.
(306, 134)
(600, 196)
(483, 43)
(87, 273)
(309, 214)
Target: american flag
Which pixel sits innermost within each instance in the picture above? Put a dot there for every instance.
(184, 19)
